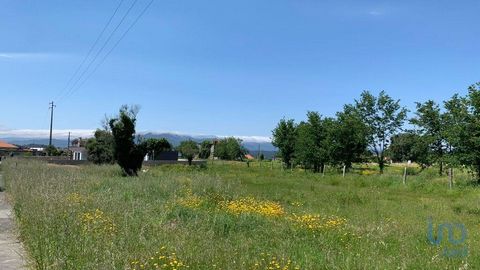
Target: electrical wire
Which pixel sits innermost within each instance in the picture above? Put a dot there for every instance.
(90, 50)
(98, 52)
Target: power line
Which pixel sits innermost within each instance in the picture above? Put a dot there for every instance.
(91, 48)
(99, 51)
(114, 46)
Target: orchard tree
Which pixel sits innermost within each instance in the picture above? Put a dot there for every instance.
(127, 154)
(348, 138)
(52, 151)
(430, 122)
(230, 149)
(154, 146)
(410, 146)
(188, 149)
(312, 147)
(284, 137)
(101, 148)
(205, 148)
(463, 129)
(383, 117)
(456, 119)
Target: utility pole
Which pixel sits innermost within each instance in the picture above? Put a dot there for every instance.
(51, 122)
(68, 142)
(68, 147)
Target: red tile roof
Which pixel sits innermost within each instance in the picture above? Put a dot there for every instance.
(5, 145)
(248, 156)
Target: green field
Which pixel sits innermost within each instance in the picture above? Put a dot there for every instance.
(230, 216)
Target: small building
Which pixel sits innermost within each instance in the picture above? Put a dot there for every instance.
(7, 149)
(164, 155)
(249, 157)
(79, 153)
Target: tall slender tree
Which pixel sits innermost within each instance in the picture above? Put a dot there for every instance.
(284, 137)
(383, 117)
(348, 138)
(127, 154)
(312, 147)
(430, 122)
(463, 129)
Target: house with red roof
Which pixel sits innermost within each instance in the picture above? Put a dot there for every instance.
(6, 148)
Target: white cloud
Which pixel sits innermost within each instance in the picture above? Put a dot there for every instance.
(86, 133)
(45, 133)
(29, 56)
(254, 139)
(375, 12)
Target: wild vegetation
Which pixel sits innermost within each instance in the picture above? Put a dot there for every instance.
(230, 216)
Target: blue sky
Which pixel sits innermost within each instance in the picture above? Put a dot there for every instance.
(230, 67)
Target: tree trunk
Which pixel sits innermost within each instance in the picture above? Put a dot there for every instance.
(322, 166)
(190, 161)
(348, 164)
(441, 168)
(478, 174)
(381, 164)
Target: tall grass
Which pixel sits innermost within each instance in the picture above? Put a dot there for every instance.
(230, 216)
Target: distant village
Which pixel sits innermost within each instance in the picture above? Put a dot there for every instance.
(75, 151)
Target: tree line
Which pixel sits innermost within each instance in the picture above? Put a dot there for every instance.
(373, 127)
(117, 142)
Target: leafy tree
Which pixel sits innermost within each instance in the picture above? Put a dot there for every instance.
(431, 125)
(463, 129)
(312, 147)
(230, 149)
(188, 149)
(262, 157)
(154, 146)
(52, 151)
(205, 148)
(383, 117)
(348, 138)
(456, 119)
(127, 154)
(100, 148)
(410, 146)
(284, 137)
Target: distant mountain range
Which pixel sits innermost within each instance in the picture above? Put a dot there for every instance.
(250, 143)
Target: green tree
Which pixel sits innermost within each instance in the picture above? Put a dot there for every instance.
(348, 138)
(155, 146)
(313, 147)
(205, 148)
(430, 123)
(463, 129)
(284, 137)
(410, 146)
(100, 148)
(456, 118)
(230, 149)
(127, 154)
(188, 149)
(52, 151)
(383, 117)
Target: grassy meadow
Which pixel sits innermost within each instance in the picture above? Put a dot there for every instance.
(230, 216)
